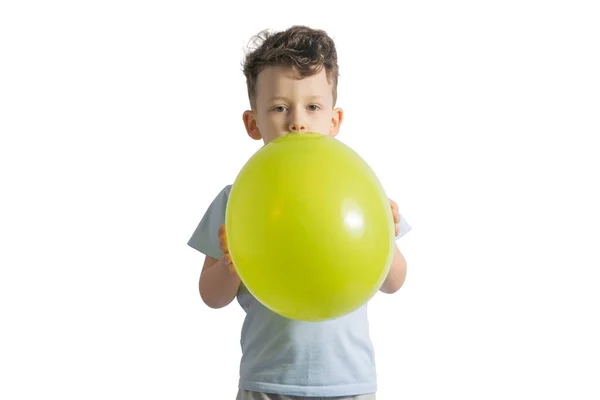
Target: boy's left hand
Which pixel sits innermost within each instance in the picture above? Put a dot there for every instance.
(396, 215)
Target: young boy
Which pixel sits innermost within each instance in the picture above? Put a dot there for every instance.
(292, 86)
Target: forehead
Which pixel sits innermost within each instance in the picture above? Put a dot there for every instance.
(285, 81)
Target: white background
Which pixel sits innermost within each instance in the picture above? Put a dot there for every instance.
(121, 120)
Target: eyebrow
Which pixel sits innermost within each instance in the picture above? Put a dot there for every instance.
(321, 98)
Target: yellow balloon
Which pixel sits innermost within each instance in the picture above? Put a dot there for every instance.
(309, 227)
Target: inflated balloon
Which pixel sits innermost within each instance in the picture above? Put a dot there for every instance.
(309, 227)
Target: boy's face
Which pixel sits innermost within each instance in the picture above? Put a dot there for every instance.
(284, 103)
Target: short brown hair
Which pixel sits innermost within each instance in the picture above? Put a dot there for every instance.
(305, 49)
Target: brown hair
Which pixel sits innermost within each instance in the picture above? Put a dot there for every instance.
(305, 49)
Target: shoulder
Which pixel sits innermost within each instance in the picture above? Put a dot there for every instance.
(225, 191)
(205, 236)
(220, 200)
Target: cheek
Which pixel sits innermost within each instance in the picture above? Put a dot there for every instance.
(276, 119)
(271, 122)
(324, 122)
(264, 120)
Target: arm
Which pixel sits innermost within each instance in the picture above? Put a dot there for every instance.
(218, 284)
(397, 274)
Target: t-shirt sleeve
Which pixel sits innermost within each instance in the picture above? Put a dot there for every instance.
(404, 227)
(205, 238)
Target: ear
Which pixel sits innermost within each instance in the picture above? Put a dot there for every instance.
(250, 124)
(336, 120)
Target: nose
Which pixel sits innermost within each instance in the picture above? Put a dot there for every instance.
(297, 122)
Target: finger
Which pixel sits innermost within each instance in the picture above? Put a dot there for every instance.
(229, 262)
(232, 269)
(393, 204)
(396, 216)
(397, 229)
(227, 257)
(223, 244)
(223, 239)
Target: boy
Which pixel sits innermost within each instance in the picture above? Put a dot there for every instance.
(292, 86)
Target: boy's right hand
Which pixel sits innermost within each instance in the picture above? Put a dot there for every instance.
(225, 249)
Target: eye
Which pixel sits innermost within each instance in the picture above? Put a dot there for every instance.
(279, 109)
(314, 107)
